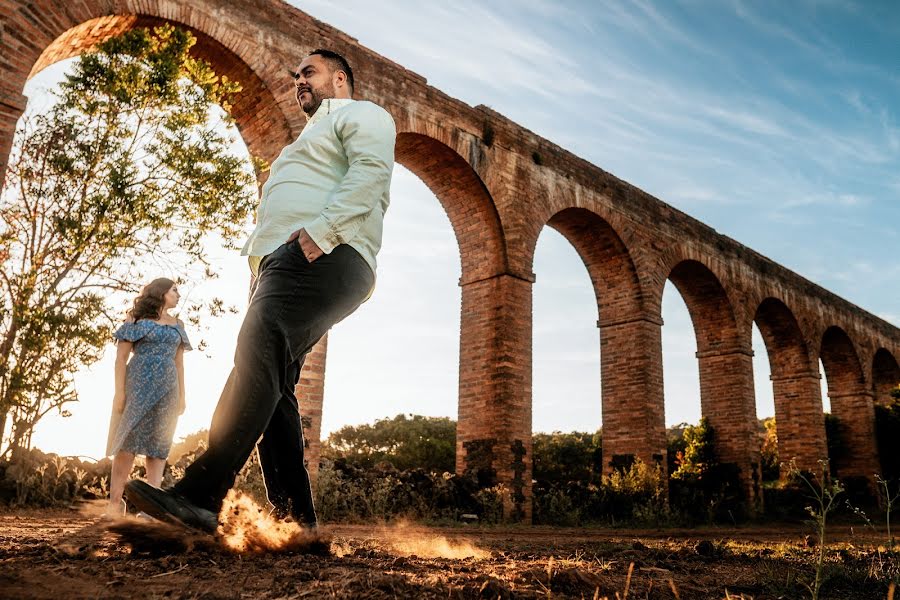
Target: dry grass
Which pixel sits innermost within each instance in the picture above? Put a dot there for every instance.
(66, 554)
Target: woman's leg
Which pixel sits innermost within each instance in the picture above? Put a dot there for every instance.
(121, 469)
(155, 468)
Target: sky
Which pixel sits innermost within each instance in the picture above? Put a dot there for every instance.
(774, 123)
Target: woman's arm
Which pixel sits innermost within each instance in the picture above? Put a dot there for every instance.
(179, 364)
(123, 349)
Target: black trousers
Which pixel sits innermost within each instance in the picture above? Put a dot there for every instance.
(294, 303)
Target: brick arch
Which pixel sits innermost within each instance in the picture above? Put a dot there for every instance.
(630, 344)
(885, 375)
(851, 403)
(785, 343)
(579, 215)
(490, 367)
(843, 369)
(493, 424)
(465, 199)
(724, 354)
(795, 384)
(258, 117)
(712, 312)
(610, 267)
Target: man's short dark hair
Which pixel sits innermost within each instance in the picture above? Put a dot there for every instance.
(336, 62)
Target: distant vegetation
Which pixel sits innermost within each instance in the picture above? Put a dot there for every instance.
(404, 467)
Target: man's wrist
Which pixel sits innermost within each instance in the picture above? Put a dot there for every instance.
(321, 235)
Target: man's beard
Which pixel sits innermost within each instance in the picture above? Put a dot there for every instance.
(315, 100)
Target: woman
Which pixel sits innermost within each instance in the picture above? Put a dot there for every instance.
(149, 388)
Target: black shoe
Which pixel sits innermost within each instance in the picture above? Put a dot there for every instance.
(311, 528)
(168, 506)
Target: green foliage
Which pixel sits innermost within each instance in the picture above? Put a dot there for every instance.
(128, 167)
(633, 495)
(701, 489)
(823, 491)
(347, 493)
(563, 457)
(787, 499)
(889, 499)
(675, 445)
(769, 451)
(644, 486)
(698, 455)
(413, 442)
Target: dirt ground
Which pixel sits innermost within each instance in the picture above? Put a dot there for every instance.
(70, 554)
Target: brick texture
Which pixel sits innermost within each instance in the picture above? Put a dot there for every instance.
(310, 394)
(852, 402)
(885, 376)
(500, 185)
(796, 383)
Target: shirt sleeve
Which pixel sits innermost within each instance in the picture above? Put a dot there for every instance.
(368, 135)
(184, 337)
(130, 332)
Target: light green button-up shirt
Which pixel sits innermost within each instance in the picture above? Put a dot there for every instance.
(333, 180)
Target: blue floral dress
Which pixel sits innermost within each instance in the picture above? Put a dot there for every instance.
(147, 424)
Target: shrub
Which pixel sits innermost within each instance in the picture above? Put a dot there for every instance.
(575, 456)
(34, 478)
(413, 442)
(701, 488)
(633, 495)
(768, 455)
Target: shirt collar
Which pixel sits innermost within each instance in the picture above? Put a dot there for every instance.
(328, 105)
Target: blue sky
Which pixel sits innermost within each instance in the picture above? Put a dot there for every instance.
(775, 123)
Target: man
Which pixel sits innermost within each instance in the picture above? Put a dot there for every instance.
(318, 231)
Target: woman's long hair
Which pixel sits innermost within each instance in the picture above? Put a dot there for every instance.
(149, 304)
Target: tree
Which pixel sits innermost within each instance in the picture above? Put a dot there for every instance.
(768, 455)
(128, 168)
(698, 455)
(564, 457)
(407, 443)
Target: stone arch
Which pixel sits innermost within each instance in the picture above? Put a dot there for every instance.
(843, 369)
(464, 197)
(630, 342)
(610, 267)
(785, 343)
(257, 114)
(851, 404)
(710, 307)
(493, 436)
(885, 376)
(796, 386)
(724, 353)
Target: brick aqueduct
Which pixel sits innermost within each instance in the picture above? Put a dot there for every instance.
(500, 185)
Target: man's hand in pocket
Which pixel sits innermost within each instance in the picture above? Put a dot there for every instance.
(307, 245)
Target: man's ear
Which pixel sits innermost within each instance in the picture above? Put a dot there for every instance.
(340, 76)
